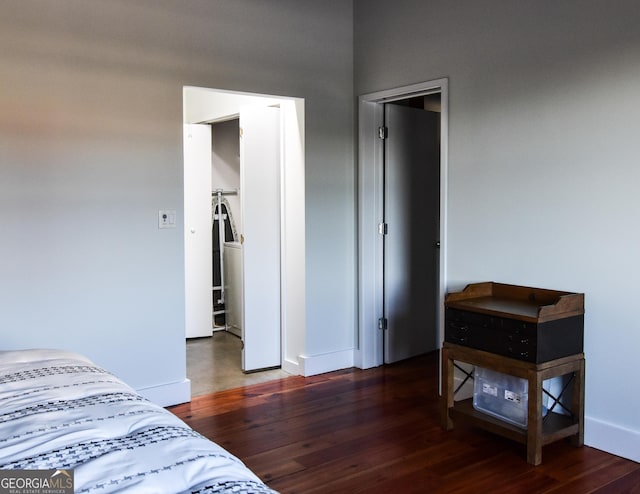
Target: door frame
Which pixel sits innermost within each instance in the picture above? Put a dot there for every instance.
(369, 352)
(202, 104)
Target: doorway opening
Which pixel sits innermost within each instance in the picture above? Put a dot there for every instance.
(402, 221)
(244, 224)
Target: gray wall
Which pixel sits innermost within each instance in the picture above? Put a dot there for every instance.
(543, 159)
(91, 148)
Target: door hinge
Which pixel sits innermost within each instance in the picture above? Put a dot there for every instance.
(383, 132)
(383, 228)
(382, 323)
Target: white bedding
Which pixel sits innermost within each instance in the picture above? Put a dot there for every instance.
(60, 411)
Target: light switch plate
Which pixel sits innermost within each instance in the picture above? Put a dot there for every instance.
(166, 218)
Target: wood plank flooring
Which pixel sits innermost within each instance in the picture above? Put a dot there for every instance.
(378, 431)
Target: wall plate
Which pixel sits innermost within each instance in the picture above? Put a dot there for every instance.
(166, 218)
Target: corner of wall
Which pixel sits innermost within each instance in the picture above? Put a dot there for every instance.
(612, 438)
(291, 367)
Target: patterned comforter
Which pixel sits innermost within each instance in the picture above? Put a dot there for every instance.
(60, 411)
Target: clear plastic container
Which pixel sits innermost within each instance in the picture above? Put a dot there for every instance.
(501, 395)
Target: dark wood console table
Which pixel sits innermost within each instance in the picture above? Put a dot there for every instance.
(518, 325)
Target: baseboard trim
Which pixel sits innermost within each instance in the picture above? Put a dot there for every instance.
(311, 365)
(168, 394)
(291, 367)
(612, 438)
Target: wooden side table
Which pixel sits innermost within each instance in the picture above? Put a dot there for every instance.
(540, 430)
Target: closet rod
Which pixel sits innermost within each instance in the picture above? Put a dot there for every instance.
(224, 192)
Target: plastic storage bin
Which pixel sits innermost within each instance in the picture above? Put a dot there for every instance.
(501, 395)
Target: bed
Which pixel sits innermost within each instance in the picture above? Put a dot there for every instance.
(60, 411)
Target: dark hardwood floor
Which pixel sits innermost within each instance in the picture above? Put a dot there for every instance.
(378, 431)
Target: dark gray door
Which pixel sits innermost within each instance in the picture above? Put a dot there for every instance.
(412, 215)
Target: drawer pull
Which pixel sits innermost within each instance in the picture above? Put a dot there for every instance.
(460, 327)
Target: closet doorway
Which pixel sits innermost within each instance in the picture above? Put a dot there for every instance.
(252, 282)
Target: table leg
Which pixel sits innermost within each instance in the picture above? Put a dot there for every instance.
(447, 390)
(534, 419)
(577, 403)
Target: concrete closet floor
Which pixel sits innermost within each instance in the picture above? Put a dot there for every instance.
(214, 364)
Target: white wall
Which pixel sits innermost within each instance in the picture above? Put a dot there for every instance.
(542, 160)
(91, 148)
